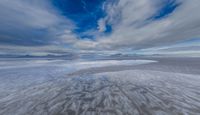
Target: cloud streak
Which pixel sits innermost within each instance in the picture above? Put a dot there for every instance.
(121, 24)
(31, 22)
(134, 30)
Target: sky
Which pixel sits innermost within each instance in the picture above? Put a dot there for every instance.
(109, 26)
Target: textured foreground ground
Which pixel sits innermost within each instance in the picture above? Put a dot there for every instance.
(166, 87)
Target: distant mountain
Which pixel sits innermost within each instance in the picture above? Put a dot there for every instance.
(49, 56)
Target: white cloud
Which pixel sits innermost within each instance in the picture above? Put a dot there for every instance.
(85, 45)
(32, 50)
(129, 19)
(133, 30)
(102, 25)
(36, 20)
(33, 13)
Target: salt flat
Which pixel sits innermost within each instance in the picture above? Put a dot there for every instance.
(153, 86)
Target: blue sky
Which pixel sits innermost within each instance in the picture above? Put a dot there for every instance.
(84, 13)
(35, 26)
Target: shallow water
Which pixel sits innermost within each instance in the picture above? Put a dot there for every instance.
(128, 92)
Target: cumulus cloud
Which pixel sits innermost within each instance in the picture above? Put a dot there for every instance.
(32, 22)
(102, 25)
(35, 24)
(134, 28)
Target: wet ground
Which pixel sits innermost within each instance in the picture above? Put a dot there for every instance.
(160, 88)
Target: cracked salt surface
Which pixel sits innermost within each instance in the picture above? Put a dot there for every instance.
(135, 91)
